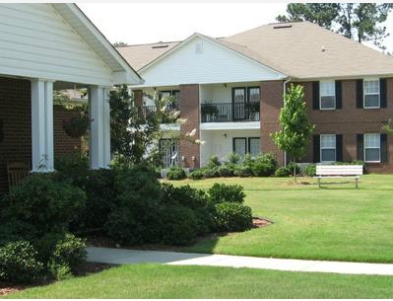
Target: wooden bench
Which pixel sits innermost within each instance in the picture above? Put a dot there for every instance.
(338, 171)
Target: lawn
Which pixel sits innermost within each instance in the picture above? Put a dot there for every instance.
(186, 282)
(337, 222)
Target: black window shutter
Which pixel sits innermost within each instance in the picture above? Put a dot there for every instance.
(339, 148)
(315, 95)
(384, 148)
(382, 93)
(339, 96)
(359, 94)
(317, 148)
(359, 147)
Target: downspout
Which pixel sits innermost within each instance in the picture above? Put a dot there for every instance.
(283, 102)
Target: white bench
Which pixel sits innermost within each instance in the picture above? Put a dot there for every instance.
(338, 171)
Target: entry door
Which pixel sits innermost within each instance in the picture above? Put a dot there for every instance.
(239, 103)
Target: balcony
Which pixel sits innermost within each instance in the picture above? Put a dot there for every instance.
(170, 110)
(230, 112)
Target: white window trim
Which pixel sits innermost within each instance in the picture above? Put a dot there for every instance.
(364, 148)
(320, 148)
(379, 93)
(320, 96)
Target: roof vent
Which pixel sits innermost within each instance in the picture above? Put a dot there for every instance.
(199, 48)
(159, 46)
(282, 26)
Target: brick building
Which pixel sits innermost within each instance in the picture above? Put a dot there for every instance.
(47, 47)
(231, 91)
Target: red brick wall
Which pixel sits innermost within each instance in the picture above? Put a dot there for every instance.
(15, 112)
(350, 121)
(189, 108)
(271, 104)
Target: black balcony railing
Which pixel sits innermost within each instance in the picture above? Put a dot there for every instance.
(227, 112)
(169, 117)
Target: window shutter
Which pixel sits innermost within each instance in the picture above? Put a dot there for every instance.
(359, 94)
(382, 93)
(360, 147)
(315, 95)
(317, 148)
(339, 95)
(339, 148)
(384, 148)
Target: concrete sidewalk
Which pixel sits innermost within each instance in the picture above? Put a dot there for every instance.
(123, 256)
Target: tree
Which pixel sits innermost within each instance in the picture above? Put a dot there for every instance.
(358, 21)
(132, 133)
(120, 44)
(295, 132)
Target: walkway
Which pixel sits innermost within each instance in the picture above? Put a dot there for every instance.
(123, 256)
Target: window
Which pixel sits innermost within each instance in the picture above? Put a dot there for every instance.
(241, 147)
(328, 148)
(170, 152)
(372, 147)
(253, 146)
(253, 95)
(171, 98)
(327, 95)
(371, 93)
(239, 102)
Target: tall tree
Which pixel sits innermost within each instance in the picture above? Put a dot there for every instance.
(359, 21)
(296, 130)
(120, 44)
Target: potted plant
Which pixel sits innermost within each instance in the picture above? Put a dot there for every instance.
(76, 126)
(209, 111)
(254, 109)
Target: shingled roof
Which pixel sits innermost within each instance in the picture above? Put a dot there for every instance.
(299, 50)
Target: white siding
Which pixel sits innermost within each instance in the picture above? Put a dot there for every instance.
(216, 64)
(37, 42)
(217, 144)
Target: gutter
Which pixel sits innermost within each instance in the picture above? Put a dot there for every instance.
(284, 86)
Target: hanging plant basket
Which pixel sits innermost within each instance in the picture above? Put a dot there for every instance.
(76, 126)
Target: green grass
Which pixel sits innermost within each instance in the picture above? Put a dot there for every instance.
(185, 282)
(336, 222)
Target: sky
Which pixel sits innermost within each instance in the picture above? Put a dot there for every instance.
(140, 23)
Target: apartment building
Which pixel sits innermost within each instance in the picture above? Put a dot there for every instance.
(231, 91)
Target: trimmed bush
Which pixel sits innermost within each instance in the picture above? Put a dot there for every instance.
(310, 170)
(211, 172)
(46, 204)
(18, 262)
(292, 165)
(179, 225)
(213, 162)
(234, 158)
(226, 193)
(244, 172)
(176, 173)
(225, 171)
(233, 217)
(61, 249)
(197, 174)
(265, 164)
(185, 195)
(282, 172)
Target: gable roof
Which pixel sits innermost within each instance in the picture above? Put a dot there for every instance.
(299, 50)
(93, 36)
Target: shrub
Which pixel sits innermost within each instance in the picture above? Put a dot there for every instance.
(213, 162)
(185, 195)
(211, 172)
(206, 220)
(248, 161)
(233, 217)
(18, 262)
(233, 158)
(176, 173)
(197, 174)
(46, 204)
(122, 227)
(244, 171)
(226, 193)
(292, 165)
(225, 171)
(178, 225)
(61, 249)
(265, 165)
(283, 172)
(310, 170)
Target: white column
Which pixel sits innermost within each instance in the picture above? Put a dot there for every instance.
(99, 112)
(42, 125)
